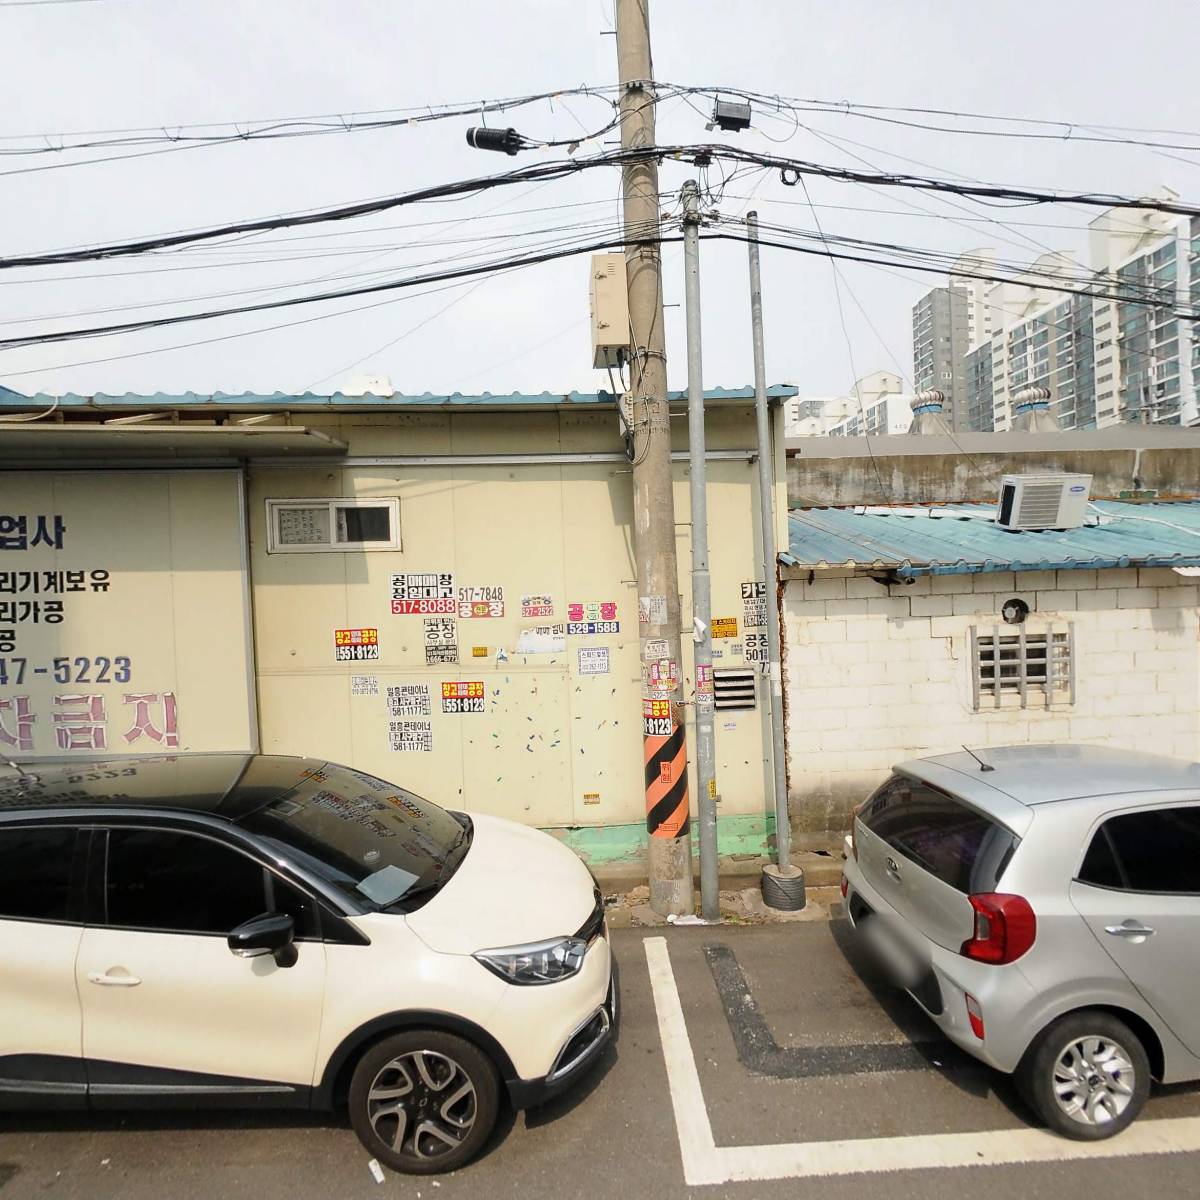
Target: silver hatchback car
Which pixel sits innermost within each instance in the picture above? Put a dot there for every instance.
(1042, 905)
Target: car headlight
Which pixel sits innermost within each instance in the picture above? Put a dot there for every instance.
(537, 963)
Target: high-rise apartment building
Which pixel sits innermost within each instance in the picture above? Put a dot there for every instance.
(876, 407)
(978, 363)
(979, 313)
(813, 416)
(873, 407)
(940, 344)
(1105, 339)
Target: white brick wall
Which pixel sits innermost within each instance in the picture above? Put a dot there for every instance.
(875, 674)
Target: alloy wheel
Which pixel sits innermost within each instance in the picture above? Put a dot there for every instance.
(422, 1103)
(1094, 1080)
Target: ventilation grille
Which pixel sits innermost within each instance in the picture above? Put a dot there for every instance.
(733, 687)
(1040, 503)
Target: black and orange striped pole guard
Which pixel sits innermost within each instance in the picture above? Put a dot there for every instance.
(666, 770)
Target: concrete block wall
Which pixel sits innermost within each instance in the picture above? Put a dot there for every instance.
(876, 674)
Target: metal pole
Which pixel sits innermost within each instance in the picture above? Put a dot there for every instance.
(706, 784)
(665, 749)
(766, 516)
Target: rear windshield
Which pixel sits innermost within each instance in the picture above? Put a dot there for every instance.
(945, 837)
(374, 841)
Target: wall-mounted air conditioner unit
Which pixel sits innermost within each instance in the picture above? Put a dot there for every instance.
(1043, 501)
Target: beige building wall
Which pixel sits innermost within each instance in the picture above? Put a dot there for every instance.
(555, 746)
(124, 623)
(875, 675)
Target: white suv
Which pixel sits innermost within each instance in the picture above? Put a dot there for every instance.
(271, 931)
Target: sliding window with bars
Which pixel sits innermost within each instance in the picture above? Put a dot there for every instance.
(1033, 667)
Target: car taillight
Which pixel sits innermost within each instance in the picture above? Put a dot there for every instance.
(854, 828)
(1005, 928)
(845, 886)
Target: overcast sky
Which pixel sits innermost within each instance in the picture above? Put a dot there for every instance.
(109, 64)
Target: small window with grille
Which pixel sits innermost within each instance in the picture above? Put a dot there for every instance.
(1019, 667)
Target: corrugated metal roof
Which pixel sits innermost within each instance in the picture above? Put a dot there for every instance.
(962, 539)
(283, 400)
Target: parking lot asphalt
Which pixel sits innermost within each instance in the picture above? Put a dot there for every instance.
(795, 1046)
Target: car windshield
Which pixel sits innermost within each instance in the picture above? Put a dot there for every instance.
(374, 841)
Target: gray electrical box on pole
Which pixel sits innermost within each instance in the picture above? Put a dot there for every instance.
(665, 748)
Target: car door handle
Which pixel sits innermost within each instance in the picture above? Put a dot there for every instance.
(108, 980)
(1129, 930)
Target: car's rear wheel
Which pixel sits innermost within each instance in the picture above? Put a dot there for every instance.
(1086, 1075)
(424, 1101)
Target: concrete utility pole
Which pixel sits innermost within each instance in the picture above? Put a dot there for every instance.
(783, 884)
(670, 851)
(706, 783)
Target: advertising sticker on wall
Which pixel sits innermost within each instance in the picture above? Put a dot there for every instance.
(537, 606)
(364, 685)
(724, 627)
(481, 601)
(655, 648)
(592, 610)
(660, 678)
(593, 660)
(441, 641)
(410, 736)
(754, 605)
(355, 645)
(423, 592)
(656, 718)
(652, 610)
(408, 700)
(542, 639)
(756, 648)
(462, 696)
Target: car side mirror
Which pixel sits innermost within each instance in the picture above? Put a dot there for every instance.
(270, 933)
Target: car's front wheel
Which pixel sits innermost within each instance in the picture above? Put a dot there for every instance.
(1086, 1075)
(424, 1101)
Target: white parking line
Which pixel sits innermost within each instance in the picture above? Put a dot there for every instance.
(706, 1162)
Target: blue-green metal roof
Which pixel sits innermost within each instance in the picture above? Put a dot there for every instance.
(962, 539)
(309, 400)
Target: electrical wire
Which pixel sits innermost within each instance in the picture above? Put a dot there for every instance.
(617, 240)
(1053, 129)
(884, 493)
(601, 226)
(227, 337)
(692, 154)
(402, 337)
(1043, 317)
(939, 262)
(782, 237)
(169, 138)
